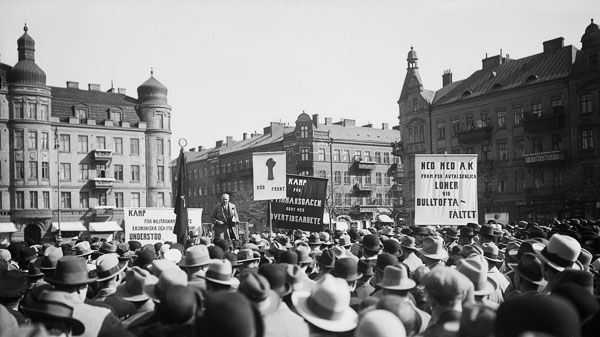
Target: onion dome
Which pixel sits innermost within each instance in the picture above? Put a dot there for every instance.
(412, 55)
(591, 37)
(26, 71)
(152, 91)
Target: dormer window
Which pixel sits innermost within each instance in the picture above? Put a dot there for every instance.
(303, 131)
(532, 77)
(115, 115)
(81, 113)
(467, 93)
(497, 86)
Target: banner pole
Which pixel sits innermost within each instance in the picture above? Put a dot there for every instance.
(270, 220)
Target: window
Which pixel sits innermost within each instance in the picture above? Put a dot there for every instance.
(455, 126)
(65, 171)
(65, 199)
(321, 155)
(501, 118)
(346, 156)
(587, 139)
(556, 104)
(100, 142)
(386, 157)
(101, 198)
(82, 142)
(558, 178)
(337, 177)
(536, 109)
(82, 114)
(519, 180)
(336, 155)
(134, 147)
(557, 142)
(160, 199)
(346, 178)
(501, 184)
(347, 199)
(386, 179)
(115, 116)
(20, 199)
(470, 122)
(486, 152)
(45, 170)
(415, 104)
(161, 173)
(518, 110)
(367, 156)
(161, 121)
(135, 173)
(65, 143)
(33, 170)
(31, 113)
(485, 121)
(537, 144)
(101, 171)
(46, 199)
(33, 143)
(160, 146)
(378, 157)
(304, 131)
(33, 199)
(19, 140)
(378, 179)
(304, 153)
(118, 172)
(538, 179)
(45, 141)
(44, 112)
(118, 142)
(18, 110)
(585, 103)
(502, 151)
(322, 174)
(19, 170)
(519, 149)
(337, 199)
(441, 130)
(84, 200)
(368, 179)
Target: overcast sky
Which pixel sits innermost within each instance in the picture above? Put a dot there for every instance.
(234, 66)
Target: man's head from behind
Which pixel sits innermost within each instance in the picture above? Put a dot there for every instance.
(404, 311)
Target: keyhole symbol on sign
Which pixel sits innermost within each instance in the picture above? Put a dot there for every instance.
(270, 164)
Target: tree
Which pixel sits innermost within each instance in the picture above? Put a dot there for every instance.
(249, 210)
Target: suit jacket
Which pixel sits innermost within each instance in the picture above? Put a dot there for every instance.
(220, 214)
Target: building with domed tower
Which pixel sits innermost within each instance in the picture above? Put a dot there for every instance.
(534, 121)
(72, 158)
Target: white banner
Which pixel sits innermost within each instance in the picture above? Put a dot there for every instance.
(152, 225)
(445, 189)
(269, 175)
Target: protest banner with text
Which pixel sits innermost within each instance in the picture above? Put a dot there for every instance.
(268, 170)
(152, 225)
(445, 189)
(304, 205)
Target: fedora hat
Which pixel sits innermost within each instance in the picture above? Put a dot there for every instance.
(256, 287)
(491, 252)
(107, 248)
(371, 242)
(13, 283)
(433, 248)
(476, 269)
(230, 314)
(451, 233)
(107, 267)
(220, 271)
(408, 242)
(195, 256)
(396, 278)
(531, 269)
(50, 258)
(156, 291)
(418, 230)
(384, 260)
(144, 258)
(325, 238)
(33, 271)
(466, 232)
(326, 259)
(83, 248)
(276, 274)
(132, 289)
(70, 271)
(327, 306)
(347, 269)
(303, 253)
(561, 252)
(314, 239)
(55, 306)
(246, 255)
(124, 253)
(489, 231)
(380, 323)
(289, 257)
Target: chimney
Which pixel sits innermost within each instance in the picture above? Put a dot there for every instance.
(93, 87)
(200, 148)
(121, 91)
(315, 119)
(446, 77)
(72, 85)
(491, 62)
(328, 121)
(254, 134)
(351, 122)
(368, 125)
(229, 140)
(245, 136)
(554, 44)
(384, 126)
(218, 144)
(193, 149)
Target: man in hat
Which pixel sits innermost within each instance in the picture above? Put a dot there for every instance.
(13, 284)
(475, 268)
(219, 276)
(71, 276)
(409, 256)
(528, 276)
(561, 253)
(363, 284)
(109, 273)
(195, 262)
(450, 238)
(466, 236)
(54, 310)
(224, 217)
(433, 252)
(325, 264)
(491, 253)
(371, 245)
(132, 291)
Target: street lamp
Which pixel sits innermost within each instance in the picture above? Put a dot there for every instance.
(331, 181)
(58, 236)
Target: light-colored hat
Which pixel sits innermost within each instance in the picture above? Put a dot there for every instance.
(491, 252)
(133, 288)
(107, 266)
(220, 271)
(173, 277)
(157, 267)
(476, 269)
(561, 252)
(433, 248)
(380, 323)
(396, 278)
(173, 255)
(328, 306)
(83, 248)
(195, 256)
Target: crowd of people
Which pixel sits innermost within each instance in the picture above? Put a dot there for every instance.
(523, 279)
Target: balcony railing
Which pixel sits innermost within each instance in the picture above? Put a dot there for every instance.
(363, 163)
(548, 119)
(549, 157)
(101, 154)
(362, 188)
(102, 183)
(475, 134)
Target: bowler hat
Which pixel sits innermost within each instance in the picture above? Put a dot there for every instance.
(347, 269)
(451, 233)
(33, 271)
(391, 246)
(27, 254)
(580, 277)
(396, 278)
(561, 252)
(384, 260)
(132, 289)
(70, 271)
(326, 259)
(371, 242)
(531, 269)
(195, 256)
(144, 258)
(580, 298)
(55, 306)
(433, 248)
(466, 232)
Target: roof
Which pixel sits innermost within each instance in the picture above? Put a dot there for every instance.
(90, 96)
(357, 133)
(428, 95)
(511, 74)
(275, 136)
(445, 90)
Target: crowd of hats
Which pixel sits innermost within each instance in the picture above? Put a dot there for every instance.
(493, 279)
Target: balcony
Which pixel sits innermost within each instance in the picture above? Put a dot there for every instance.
(476, 134)
(101, 155)
(363, 164)
(543, 158)
(363, 188)
(550, 119)
(102, 183)
(397, 148)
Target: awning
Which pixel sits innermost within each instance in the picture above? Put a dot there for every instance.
(7, 227)
(69, 227)
(385, 218)
(106, 226)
